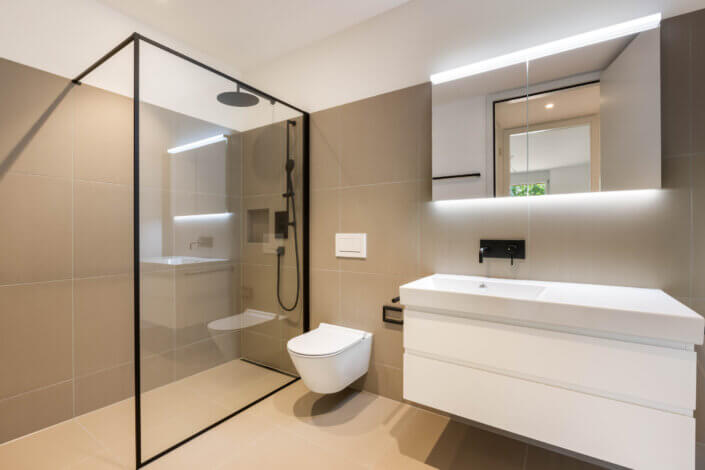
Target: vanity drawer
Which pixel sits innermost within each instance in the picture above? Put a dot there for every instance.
(653, 376)
(617, 432)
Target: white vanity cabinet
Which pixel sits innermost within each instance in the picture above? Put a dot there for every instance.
(606, 372)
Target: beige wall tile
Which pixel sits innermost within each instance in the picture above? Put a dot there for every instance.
(264, 151)
(155, 135)
(291, 322)
(212, 174)
(451, 233)
(262, 348)
(157, 314)
(325, 297)
(698, 201)
(389, 215)
(202, 294)
(103, 319)
(254, 251)
(103, 144)
(36, 245)
(103, 229)
(637, 240)
(210, 352)
(234, 165)
(698, 67)
(381, 137)
(259, 287)
(326, 148)
(38, 138)
(676, 80)
(35, 336)
(325, 222)
(35, 410)
(102, 388)
(156, 370)
(361, 298)
(382, 380)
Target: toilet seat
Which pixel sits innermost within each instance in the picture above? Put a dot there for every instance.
(331, 357)
(326, 340)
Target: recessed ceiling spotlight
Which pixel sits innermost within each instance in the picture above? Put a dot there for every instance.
(549, 106)
(562, 45)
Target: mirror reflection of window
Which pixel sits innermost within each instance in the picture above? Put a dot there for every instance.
(562, 141)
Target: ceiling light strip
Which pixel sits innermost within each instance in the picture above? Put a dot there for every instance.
(197, 144)
(555, 47)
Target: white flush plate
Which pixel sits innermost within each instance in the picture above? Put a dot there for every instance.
(351, 245)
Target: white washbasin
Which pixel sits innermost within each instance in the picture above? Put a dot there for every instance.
(617, 311)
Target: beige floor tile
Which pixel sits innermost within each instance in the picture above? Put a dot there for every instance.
(359, 425)
(542, 459)
(60, 446)
(217, 446)
(293, 453)
(100, 461)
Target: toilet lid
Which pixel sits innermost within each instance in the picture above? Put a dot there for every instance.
(324, 340)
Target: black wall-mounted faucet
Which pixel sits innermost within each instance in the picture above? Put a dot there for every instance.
(483, 250)
(512, 249)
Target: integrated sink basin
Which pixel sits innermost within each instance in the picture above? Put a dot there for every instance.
(647, 314)
(602, 371)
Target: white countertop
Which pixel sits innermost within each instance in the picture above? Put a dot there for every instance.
(629, 311)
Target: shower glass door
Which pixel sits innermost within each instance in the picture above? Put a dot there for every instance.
(221, 207)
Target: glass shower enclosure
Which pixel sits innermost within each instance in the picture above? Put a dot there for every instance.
(220, 223)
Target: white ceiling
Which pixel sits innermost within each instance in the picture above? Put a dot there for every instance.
(405, 45)
(247, 33)
(552, 148)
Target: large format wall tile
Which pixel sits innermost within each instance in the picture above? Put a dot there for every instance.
(361, 298)
(103, 229)
(639, 240)
(325, 297)
(264, 154)
(676, 81)
(380, 138)
(697, 51)
(38, 138)
(698, 201)
(36, 410)
(103, 323)
(388, 213)
(103, 144)
(325, 222)
(451, 232)
(102, 388)
(35, 242)
(35, 336)
(326, 145)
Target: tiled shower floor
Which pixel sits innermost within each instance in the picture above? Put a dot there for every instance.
(103, 439)
(293, 429)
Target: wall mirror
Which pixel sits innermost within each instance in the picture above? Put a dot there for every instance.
(580, 121)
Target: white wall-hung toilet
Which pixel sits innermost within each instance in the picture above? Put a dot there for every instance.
(331, 357)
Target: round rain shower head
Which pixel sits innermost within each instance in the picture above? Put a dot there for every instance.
(238, 98)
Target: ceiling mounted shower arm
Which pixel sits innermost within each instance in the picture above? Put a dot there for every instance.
(242, 84)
